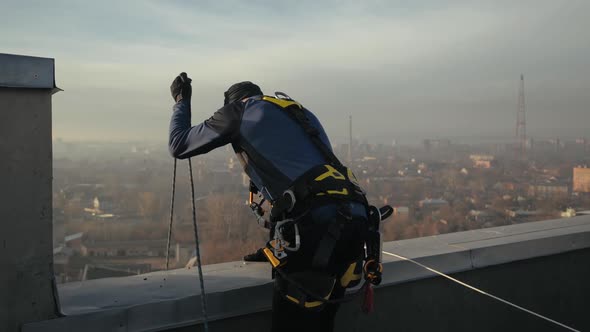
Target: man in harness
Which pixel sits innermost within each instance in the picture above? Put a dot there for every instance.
(320, 220)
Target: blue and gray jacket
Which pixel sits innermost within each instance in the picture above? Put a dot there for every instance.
(272, 147)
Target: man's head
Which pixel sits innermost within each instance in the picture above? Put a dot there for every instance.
(240, 91)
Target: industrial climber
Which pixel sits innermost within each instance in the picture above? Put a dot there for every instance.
(320, 221)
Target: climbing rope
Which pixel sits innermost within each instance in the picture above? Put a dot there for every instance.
(198, 251)
(196, 230)
(481, 291)
(171, 216)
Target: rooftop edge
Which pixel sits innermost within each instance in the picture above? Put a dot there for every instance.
(169, 299)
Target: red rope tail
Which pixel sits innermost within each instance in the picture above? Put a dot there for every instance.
(368, 304)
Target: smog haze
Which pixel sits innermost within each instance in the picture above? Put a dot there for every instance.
(401, 69)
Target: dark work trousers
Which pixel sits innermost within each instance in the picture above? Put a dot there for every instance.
(288, 316)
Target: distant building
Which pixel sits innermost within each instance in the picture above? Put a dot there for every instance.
(430, 144)
(482, 160)
(145, 248)
(105, 203)
(581, 183)
(481, 216)
(522, 213)
(548, 190)
(99, 206)
(432, 203)
(505, 186)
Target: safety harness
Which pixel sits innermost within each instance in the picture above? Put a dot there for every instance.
(332, 181)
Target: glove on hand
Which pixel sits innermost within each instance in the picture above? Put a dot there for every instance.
(181, 88)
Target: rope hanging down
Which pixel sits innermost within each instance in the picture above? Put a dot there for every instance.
(171, 216)
(196, 230)
(482, 292)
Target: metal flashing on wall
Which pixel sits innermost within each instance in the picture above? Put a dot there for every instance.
(19, 71)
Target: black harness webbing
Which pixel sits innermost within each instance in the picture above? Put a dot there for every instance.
(297, 113)
(316, 297)
(321, 258)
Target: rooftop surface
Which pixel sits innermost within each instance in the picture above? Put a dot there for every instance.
(169, 299)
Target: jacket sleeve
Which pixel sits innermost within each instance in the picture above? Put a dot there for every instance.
(186, 141)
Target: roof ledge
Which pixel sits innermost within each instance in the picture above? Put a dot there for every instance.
(171, 299)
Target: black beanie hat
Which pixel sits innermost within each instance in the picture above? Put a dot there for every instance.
(240, 91)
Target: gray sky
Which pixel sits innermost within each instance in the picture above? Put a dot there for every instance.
(400, 68)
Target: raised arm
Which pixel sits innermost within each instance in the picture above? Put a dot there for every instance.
(186, 141)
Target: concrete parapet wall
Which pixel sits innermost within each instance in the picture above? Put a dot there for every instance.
(555, 286)
(540, 266)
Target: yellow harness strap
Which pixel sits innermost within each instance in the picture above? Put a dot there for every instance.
(282, 103)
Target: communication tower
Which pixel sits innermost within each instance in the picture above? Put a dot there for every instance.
(350, 141)
(521, 122)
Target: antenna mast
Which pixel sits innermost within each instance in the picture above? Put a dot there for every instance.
(521, 122)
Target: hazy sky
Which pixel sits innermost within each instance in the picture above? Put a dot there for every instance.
(400, 68)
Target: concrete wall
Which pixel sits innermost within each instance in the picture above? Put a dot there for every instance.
(556, 286)
(538, 265)
(26, 292)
